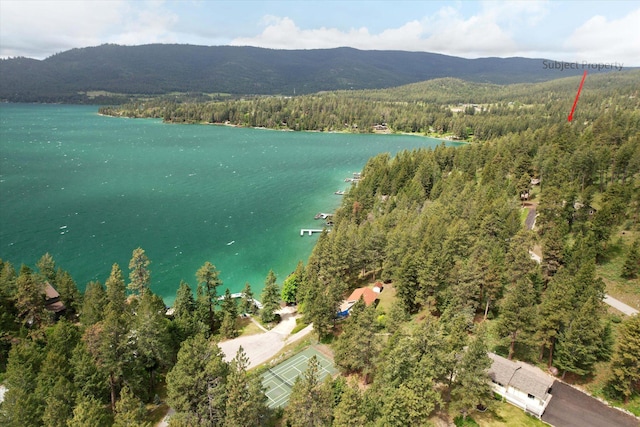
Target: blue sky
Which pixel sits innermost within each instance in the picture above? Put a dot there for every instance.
(595, 32)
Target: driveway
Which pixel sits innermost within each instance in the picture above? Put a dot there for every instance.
(570, 407)
(261, 347)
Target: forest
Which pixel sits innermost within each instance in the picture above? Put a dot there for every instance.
(444, 227)
(113, 73)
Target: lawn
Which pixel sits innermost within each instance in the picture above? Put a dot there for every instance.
(504, 414)
(627, 291)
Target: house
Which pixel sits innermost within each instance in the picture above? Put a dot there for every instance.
(367, 294)
(52, 300)
(522, 385)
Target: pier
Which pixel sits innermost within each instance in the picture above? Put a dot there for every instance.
(310, 231)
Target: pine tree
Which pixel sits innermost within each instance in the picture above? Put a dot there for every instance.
(113, 334)
(554, 312)
(90, 412)
(196, 385)
(310, 402)
(471, 384)
(208, 282)
(247, 305)
(139, 276)
(95, 299)
(356, 348)
(69, 293)
(624, 379)
(516, 312)
(47, 267)
(60, 403)
(581, 343)
(21, 406)
(270, 299)
(29, 297)
(152, 340)
(246, 400)
(184, 308)
(631, 267)
(348, 412)
(290, 285)
(130, 411)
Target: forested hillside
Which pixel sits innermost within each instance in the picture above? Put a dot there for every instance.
(451, 107)
(444, 227)
(112, 73)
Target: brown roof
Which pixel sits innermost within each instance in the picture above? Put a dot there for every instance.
(519, 375)
(50, 291)
(52, 299)
(366, 293)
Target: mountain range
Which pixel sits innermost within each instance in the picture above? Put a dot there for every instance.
(116, 73)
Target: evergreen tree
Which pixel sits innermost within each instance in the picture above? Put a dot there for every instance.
(47, 267)
(196, 385)
(270, 299)
(247, 305)
(29, 297)
(59, 404)
(90, 381)
(90, 412)
(69, 293)
(471, 385)
(208, 282)
(229, 327)
(113, 333)
(554, 312)
(581, 343)
(130, 411)
(22, 406)
(310, 402)
(348, 412)
(246, 400)
(152, 341)
(139, 276)
(356, 348)
(184, 308)
(517, 310)
(624, 378)
(290, 285)
(95, 300)
(631, 267)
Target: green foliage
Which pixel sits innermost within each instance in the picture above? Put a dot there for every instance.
(140, 276)
(196, 385)
(631, 267)
(246, 398)
(311, 402)
(130, 411)
(207, 298)
(357, 347)
(95, 299)
(624, 380)
(246, 302)
(291, 283)
(270, 299)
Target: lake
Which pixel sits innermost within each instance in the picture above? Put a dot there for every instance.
(90, 189)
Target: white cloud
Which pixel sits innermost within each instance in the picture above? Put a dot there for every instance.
(39, 28)
(602, 40)
(447, 31)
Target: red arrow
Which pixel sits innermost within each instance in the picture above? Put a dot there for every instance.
(584, 75)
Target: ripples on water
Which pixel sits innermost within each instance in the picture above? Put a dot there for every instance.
(89, 189)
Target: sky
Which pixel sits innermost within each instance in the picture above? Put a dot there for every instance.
(587, 31)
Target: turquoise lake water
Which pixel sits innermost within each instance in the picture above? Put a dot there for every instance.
(90, 189)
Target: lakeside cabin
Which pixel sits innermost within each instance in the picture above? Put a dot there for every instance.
(367, 294)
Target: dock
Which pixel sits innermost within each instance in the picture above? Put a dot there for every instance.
(310, 231)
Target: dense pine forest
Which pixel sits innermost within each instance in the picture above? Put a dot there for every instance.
(445, 228)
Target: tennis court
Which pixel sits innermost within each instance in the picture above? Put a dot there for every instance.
(279, 379)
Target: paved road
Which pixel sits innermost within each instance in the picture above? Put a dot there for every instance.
(619, 305)
(262, 347)
(570, 407)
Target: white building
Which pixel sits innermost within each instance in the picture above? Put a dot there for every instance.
(522, 385)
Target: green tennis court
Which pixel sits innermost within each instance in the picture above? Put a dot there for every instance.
(279, 379)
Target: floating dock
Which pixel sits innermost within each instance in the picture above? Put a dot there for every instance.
(322, 215)
(310, 231)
